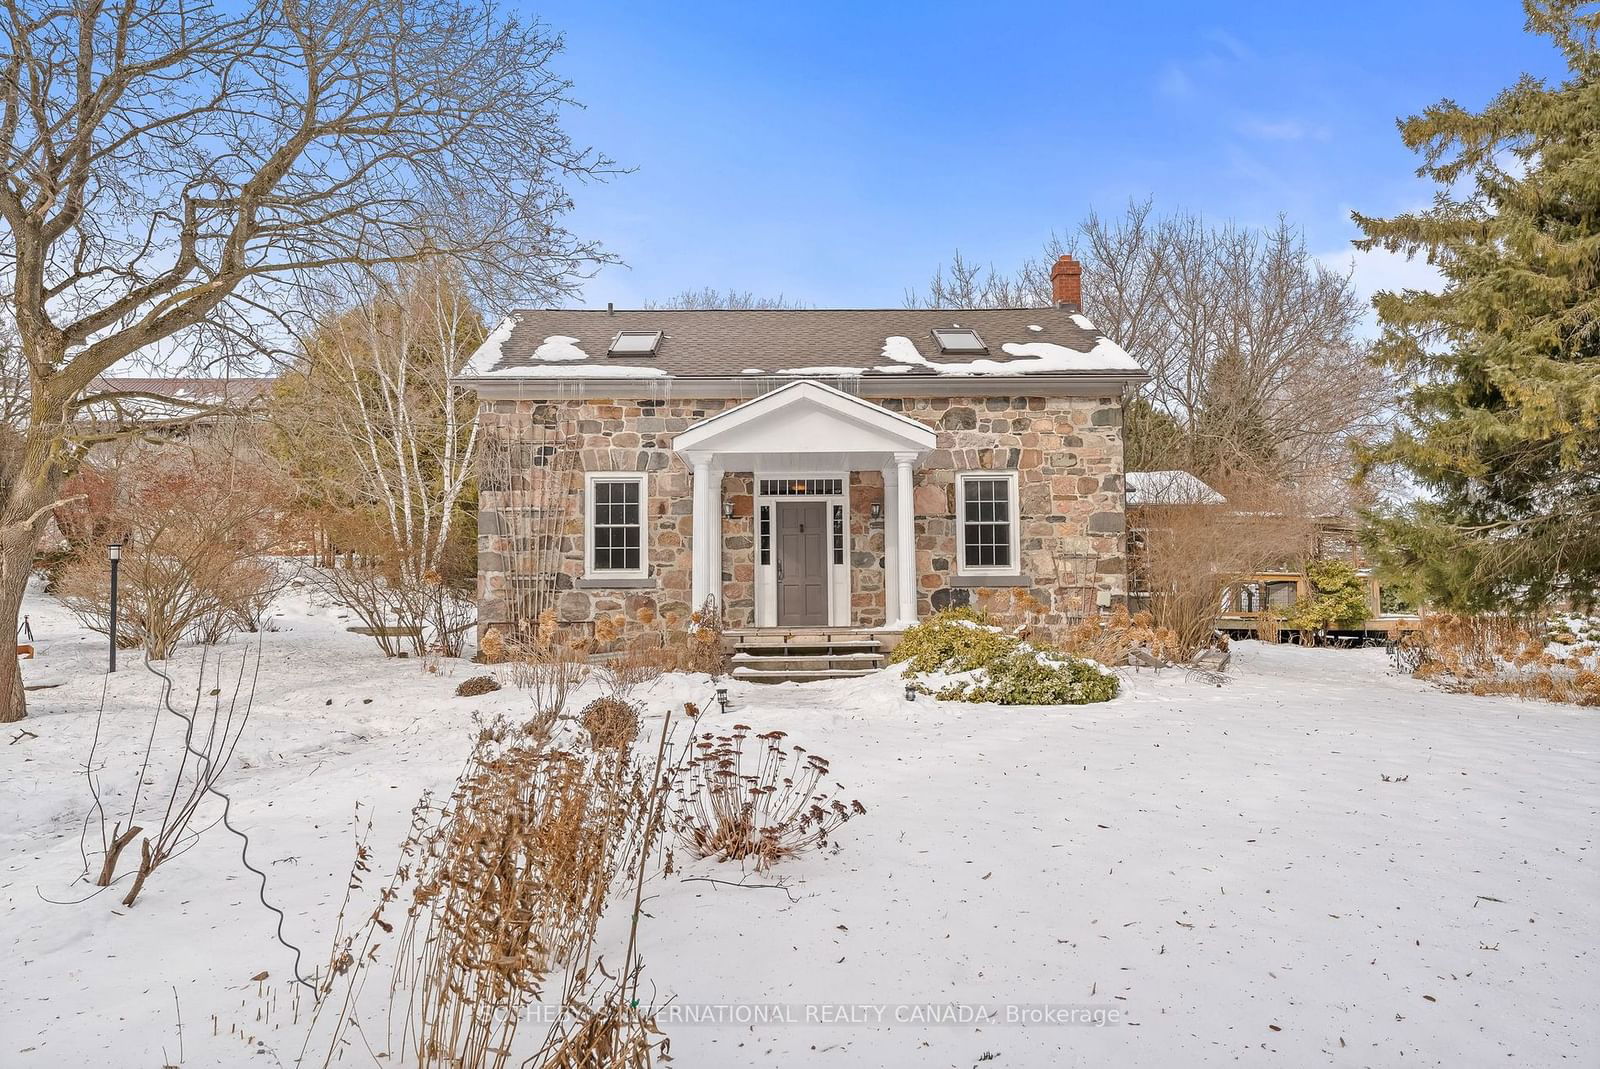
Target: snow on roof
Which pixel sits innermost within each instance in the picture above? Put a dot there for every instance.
(488, 354)
(559, 347)
(1172, 487)
(1105, 355)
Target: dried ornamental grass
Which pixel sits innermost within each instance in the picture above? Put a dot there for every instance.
(612, 723)
(514, 881)
(501, 886)
(764, 807)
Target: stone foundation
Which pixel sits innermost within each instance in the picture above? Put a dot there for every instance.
(1067, 452)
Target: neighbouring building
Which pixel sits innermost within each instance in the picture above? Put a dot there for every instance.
(797, 469)
(1254, 605)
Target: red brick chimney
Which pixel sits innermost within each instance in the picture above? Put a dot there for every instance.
(1066, 284)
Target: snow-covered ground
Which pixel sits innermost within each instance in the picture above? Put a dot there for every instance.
(1221, 875)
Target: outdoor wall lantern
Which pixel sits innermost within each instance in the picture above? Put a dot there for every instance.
(727, 510)
(877, 510)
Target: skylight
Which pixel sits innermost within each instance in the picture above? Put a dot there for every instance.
(634, 343)
(959, 340)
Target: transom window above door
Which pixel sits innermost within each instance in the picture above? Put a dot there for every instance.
(614, 526)
(986, 523)
(801, 487)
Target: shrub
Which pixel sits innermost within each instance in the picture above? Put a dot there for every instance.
(1187, 551)
(1339, 598)
(733, 807)
(997, 667)
(1035, 677)
(955, 640)
(195, 525)
(705, 651)
(621, 674)
(1494, 654)
(1109, 638)
(471, 688)
(612, 723)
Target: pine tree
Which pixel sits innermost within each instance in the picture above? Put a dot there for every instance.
(1502, 428)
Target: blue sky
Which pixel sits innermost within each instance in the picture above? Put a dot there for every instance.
(836, 153)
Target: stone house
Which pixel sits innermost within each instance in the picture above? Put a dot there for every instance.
(799, 470)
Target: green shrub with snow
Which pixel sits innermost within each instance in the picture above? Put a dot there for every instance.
(955, 640)
(959, 655)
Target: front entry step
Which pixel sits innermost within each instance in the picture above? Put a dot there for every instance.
(800, 657)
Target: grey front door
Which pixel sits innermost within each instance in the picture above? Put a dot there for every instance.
(803, 563)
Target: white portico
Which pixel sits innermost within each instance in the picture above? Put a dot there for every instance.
(800, 443)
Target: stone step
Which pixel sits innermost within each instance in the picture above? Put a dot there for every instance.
(843, 645)
(779, 655)
(765, 675)
(805, 656)
(857, 661)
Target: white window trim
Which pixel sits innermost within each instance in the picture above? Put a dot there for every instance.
(1015, 567)
(589, 570)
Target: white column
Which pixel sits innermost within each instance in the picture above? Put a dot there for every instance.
(906, 536)
(700, 537)
(717, 534)
(891, 549)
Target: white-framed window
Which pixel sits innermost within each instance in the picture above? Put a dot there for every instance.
(614, 525)
(986, 523)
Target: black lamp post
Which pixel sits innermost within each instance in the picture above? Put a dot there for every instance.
(114, 551)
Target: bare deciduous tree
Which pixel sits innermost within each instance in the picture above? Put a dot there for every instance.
(1251, 342)
(173, 174)
(708, 297)
(962, 284)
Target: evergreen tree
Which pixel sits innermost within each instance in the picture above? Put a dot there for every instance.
(1502, 428)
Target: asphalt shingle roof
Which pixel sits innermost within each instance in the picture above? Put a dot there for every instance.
(874, 341)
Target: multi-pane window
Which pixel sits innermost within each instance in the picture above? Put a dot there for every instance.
(616, 526)
(987, 522)
(838, 534)
(766, 534)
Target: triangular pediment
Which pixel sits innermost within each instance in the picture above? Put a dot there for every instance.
(806, 417)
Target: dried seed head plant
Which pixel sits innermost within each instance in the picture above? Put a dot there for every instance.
(762, 807)
(602, 1023)
(492, 646)
(705, 650)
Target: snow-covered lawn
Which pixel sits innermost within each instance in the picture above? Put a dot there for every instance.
(1222, 873)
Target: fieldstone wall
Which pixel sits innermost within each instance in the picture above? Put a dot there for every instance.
(1067, 452)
